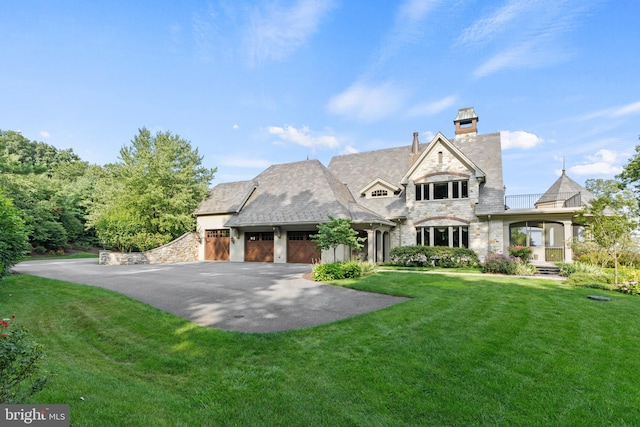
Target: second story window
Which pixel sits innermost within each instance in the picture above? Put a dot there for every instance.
(379, 193)
(443, 190)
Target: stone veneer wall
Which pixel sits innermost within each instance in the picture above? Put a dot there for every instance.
(183, 249)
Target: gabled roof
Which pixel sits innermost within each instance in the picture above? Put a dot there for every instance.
(299, 193)
(227, 197)
(462, 157)
(359, 170)
(383, 183)
(564, 189)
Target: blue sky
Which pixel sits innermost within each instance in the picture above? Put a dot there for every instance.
(252, 84)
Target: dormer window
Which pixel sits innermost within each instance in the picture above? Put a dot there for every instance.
(379, 193)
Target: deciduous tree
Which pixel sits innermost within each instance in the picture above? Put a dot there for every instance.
(611, 218)
(337, 232)
(148, 197)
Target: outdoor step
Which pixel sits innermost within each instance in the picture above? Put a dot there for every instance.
(547, 269)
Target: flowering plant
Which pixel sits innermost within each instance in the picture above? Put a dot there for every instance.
(522, 252)
(21, 371)
(631, 287)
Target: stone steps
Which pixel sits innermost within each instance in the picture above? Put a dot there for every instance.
(548, 270)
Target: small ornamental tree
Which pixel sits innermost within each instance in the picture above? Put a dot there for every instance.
(337, 232)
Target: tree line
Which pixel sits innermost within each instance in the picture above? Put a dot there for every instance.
(52, 200)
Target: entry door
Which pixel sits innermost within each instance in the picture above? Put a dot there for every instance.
(300, 247)
(216, 245)
(258, 247)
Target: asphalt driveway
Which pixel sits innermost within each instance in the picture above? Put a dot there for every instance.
(245, 297)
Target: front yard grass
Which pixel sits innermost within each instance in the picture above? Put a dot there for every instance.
(466, 350)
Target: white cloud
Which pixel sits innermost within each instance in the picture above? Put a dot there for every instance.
(349, 150)
(367, 103)
(604, 162)
(627, 109)
(276, 32)
(244, 162)
(303, 136)
(409, 26)
(519, 139)
(45, 134)
(236, 126)
(431, 108)
(523, 34)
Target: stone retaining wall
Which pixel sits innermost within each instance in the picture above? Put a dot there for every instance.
(183, 249)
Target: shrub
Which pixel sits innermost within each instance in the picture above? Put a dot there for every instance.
(433, 256)
(524, 269)
(21, 360)
(522, 252)
(588, 280)
(567, 269)
(499, 263)
(341, 270)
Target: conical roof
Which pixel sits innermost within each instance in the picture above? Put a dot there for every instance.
(565, 192)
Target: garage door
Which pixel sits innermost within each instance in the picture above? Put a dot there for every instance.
(300, 247)
(258, 247)
(216, 245)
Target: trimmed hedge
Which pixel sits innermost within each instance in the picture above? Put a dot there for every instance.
(433, 256)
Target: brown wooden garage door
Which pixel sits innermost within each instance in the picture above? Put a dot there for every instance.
(300, 247)
(258, 247)
(216, 245)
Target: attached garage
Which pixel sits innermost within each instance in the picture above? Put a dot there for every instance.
(300, 247)
(217, 245)
(258, 247)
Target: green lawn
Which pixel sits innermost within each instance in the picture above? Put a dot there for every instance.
(466, 350)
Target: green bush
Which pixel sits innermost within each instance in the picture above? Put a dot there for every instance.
(522, 252)
(433, 256)
(588, 280)
(505, 264)
(21, 370)
(341, 270)
(567, 269)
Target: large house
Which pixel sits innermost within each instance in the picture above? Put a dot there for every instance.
(447, 192)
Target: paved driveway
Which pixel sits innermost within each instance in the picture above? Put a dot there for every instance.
(246, 297)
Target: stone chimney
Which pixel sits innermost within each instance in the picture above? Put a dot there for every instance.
(415, 148)
(466, 122)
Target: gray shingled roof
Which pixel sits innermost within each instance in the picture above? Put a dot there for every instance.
(225, 198)
(563, 189)
(299, 193)
(360, 169)
(486, 152)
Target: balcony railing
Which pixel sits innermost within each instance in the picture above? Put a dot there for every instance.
(540, 201)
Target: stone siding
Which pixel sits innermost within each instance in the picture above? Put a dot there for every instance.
(184, 249)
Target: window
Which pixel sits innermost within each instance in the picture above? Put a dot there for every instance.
(379, 193)
(217, 233)
(443, 190)
(451, 236)
(440, 190)
(422, 191)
